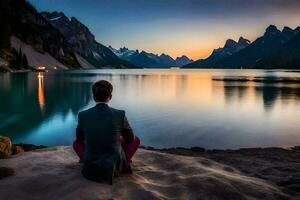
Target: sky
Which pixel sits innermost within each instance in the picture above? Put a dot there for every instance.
(176, 27)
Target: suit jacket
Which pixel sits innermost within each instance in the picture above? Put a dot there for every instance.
(100, 128)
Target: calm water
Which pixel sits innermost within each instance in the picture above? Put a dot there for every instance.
(166, 108)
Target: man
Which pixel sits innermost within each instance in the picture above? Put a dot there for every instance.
(104, 141)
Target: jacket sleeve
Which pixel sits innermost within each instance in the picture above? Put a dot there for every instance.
(79, 132)
(127, 132)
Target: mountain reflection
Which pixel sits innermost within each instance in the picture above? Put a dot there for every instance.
(268, 94)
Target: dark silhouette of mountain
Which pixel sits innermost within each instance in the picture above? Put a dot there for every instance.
(26, 26)
(218, 55)
(87, 49)
(167, 60)
(183, 60)
(262, 49)
(288, 56)
(150, 60)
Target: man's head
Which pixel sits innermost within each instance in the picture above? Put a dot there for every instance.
(102, 91)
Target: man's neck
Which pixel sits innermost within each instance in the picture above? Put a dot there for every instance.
(101, 102)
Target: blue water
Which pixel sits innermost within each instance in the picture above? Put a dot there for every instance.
(166, 108)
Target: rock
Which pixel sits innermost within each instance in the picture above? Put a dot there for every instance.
(294, 187)
(291, 180)
(5, 172)
(296, 148)
(198, 149)
(18, 149)
(30, 147)
(5, 147)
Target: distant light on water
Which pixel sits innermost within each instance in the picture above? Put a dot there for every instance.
(41, 95)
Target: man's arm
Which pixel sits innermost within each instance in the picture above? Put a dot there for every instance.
(127, 132)
(79, 132)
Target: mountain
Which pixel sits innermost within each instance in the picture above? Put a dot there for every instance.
(150, 60)
(88, 51)
(166, 60)
(25, 31)
(263, 48)
(219, 54)
(183, 60)
(288, 56)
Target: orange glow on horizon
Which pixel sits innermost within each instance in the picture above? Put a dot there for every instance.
(194, 48)
(194, 54)
(200, 42)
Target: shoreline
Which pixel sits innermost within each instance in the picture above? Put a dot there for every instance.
(177, 150)
(189, 151)
(158, 174)
(202, 149)
(10, 70)
(280, 166)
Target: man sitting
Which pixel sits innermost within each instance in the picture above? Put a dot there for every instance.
(104, 141)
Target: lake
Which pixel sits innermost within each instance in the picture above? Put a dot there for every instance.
(214, 109)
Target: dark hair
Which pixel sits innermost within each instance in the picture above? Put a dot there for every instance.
(102, 90)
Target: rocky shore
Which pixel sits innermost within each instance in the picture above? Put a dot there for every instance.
(277, 165)
(176, 173)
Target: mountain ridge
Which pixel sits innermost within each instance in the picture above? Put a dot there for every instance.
(257, 54)
(287, 57)
(84, 42)
(150, 60)
(30, 39)
(230, 47)
(21, 20)
(56, 41)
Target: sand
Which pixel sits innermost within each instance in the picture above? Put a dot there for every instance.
(54, 173)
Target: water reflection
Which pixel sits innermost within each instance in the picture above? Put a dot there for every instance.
(268, 94)
(41, 94)
(166, 108)
(25, 101)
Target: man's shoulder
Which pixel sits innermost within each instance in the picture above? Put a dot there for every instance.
(117, 111)
(87, 111)
(93, 109)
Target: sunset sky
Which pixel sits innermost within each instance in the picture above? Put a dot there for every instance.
(176, 27)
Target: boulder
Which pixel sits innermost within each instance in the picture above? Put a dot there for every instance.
(5, 147)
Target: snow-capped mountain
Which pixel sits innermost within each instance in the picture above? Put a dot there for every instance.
(88, 51)
(150, 60)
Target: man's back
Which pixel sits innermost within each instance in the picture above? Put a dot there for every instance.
(101, 127)
(100, 133)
